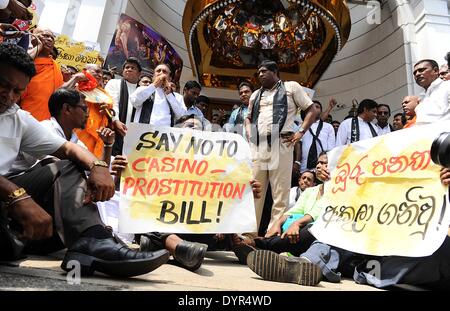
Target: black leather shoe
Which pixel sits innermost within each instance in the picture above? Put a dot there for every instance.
(112, 258)
(190, 254)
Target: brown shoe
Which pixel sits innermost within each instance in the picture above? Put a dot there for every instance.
(274, 267)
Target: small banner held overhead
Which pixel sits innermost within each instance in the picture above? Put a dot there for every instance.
(76, 54)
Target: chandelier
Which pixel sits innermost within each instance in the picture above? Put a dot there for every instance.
(227, 39)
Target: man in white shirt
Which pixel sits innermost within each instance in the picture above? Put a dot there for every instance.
(56, 195)
(156, 104)
(236, 121)
(383, 115)
(360, 127)
(322, 134)
(435, 103)
(191, 92)
(120, 90)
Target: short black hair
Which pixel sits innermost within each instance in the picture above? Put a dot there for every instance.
(191, 84)
(269, 65)
(387, 106)
(188, 117)
(18, 58)
(319, 103)
(169, 66)
(132, 60)
(447, 58)
(107, 72)
(432, 62)
(366, 104)
(247, 84)
(308, 171)
(63, 96)
(145, 74)
(401, 115)
(203, 99)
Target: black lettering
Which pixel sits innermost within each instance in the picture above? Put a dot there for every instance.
(203, 218)
(222, 146)
(232, 149)
(163, 141)
(207, 147)
(144, 139)
(165, 210)
(189, 219)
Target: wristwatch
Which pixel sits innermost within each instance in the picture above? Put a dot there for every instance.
(301, 130)
(16, 194)
(98, 163)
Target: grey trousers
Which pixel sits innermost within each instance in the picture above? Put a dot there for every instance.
(382, 271)
(59, 188)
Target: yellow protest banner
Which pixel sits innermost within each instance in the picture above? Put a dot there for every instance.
(185, 181)
(385, 196)
(75, 54)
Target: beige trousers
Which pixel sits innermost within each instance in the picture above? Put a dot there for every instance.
(274, 166)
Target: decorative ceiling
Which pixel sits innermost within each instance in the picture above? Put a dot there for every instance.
(227, 39)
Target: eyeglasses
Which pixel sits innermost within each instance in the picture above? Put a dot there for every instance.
(383, 113)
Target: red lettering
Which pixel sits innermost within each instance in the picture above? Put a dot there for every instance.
(137, 162)
(129, 183)
(239, 192)
(140, 183)
(168, 165)
(153, 165)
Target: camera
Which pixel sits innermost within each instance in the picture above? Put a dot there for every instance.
(440, 150)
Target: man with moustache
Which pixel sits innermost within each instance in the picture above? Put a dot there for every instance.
(271, 115)
(156, 103)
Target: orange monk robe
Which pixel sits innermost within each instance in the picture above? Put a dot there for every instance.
(410, 123)
(48, 79)
(89, 135)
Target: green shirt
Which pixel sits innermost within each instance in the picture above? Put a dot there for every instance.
(308, 204)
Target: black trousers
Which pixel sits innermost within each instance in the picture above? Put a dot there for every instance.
(59, 188)
(158, 240)
(279, 245)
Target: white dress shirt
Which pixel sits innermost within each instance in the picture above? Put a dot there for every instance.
(382, 131)
(21, 132)
(161, 112)
(326, 136)
(113, 89)
(435, 103)
(292, 195)
(25, 161)
(4, 4)
(343, 136)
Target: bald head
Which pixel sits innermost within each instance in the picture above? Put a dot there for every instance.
(409, 105)
(46, 36)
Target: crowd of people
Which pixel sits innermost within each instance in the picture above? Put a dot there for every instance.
(62, 157)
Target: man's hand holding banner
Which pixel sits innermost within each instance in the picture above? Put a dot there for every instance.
(186, 181)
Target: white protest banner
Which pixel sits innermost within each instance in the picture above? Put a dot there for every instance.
(385, 196)
(186, 181)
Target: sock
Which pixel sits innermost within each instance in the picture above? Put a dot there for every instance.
(97, 231)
